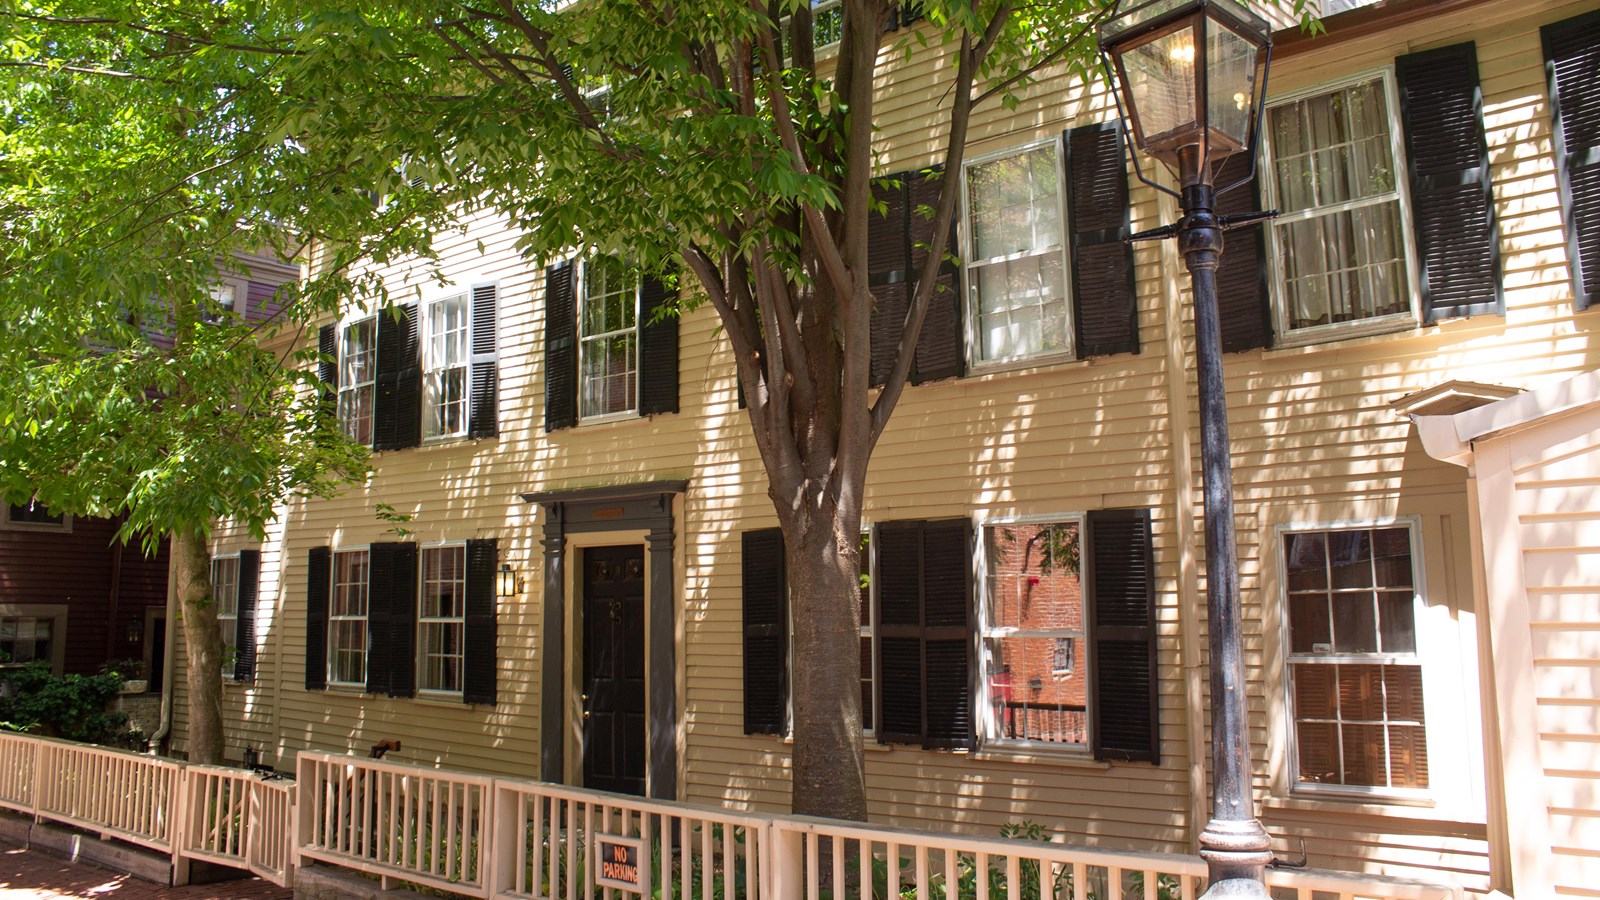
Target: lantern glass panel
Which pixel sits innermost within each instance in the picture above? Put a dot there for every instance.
(1160, 77)
(1230, 86)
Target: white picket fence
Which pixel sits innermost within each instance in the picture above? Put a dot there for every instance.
(514, 839)
(227, 816)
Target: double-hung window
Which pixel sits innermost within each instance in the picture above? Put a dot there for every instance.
(358, 368)
(347, 619)
(1016, 258)
(608, 339)
(1340, 247)
(1354, 672)
(441, 622)
(25, 639)
(34, 516)
(1033, 634)
(225, 594)
(445, 359)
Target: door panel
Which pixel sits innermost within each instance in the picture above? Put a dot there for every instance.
(613, 669)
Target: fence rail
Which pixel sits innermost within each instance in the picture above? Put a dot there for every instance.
(511, 839)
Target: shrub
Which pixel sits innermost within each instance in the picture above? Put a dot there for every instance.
(37, 700)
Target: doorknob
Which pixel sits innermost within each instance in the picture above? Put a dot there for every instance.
(584, 699)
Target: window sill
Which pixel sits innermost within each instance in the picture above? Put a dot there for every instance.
(1389, 807)
(1023, 364)
(1340, 339)
(1076, 759)
(627, 415)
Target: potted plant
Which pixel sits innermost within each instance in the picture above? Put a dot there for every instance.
(131, 671)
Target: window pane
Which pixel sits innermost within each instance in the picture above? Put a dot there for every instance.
(1036, 678)
(1309, 628)
(441, 627)
(1355, 623)
(1307, 557)
(1350, 559)
(1030, 699)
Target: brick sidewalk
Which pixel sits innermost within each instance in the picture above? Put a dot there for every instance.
(36, 874)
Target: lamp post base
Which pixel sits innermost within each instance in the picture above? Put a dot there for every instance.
(1236, 855)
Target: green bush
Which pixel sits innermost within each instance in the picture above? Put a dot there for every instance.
(36, 700)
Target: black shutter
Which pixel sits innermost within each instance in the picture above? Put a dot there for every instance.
(319, 578)
(397, 405)
(484, 418)
(1243, 304)
(766, 632)
(947, 620)
(939, 348)
(888, 252)
(1099, 221)
(244, 633)
(658, 349)
(328, 358)
(924, 630)
(391, 618)
(481, 640)
(560, 349)
(1458, 245)
(1572, 64)
(1119, 573)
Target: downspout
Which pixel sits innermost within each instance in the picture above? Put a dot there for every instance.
(1180, 422)
(112, 599)
(169, 657)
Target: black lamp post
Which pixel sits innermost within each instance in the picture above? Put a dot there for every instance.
(1189, 79)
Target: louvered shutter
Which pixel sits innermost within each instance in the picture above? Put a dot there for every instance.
(1102, 261)
(560, 349)
(939, 351)
(766, 632)
(887, 253)
(319, 580)
(391, 618)
(481, 638)
(484, 416)
(1572, 64)
(658, 350)
(328, 358)
(1243, 303)
(899, 632)
(924, 631)
(244, 635)
(1119, 573)
(947, 621)
(397, 403)
(1458, 244)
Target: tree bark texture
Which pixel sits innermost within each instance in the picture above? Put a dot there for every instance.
(202, 646)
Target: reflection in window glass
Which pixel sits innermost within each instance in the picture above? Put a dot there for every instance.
(1355, 676)
(24, 639)
(1016, 269)
(1033, 634)
(608, 318)
(347, 619)
(444, 361)
(358, 370)
(225, 593)
(442, 619)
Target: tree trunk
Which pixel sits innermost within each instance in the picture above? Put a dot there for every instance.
(823, 555)
(202, 646)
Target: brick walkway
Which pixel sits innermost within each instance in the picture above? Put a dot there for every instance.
(36, 874)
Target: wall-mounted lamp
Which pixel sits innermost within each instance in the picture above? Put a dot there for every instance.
(506, 583)
(134, 631)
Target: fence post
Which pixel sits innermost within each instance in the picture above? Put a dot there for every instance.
(178, 826)
(788, 871)
(507, 844)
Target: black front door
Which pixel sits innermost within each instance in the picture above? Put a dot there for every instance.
(613, 669)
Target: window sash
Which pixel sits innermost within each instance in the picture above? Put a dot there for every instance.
(358, 370)
(225, 594)
(1011, 715)
(1356, 701)
(441, 619)
(447, 323)
(608, 340)
(21, 638)
(1017, 293)
(347, 619)
(1383, 283)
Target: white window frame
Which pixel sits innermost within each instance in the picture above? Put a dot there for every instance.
(972, 265)
(335, 619)
(10, 524)
(987, 632)
(57, 613)
(227, 623)
(460, 621)
(434, 370)
(1278, 286)
(581, 290)
(340, 329)
(1431, 720)
(239, 308)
